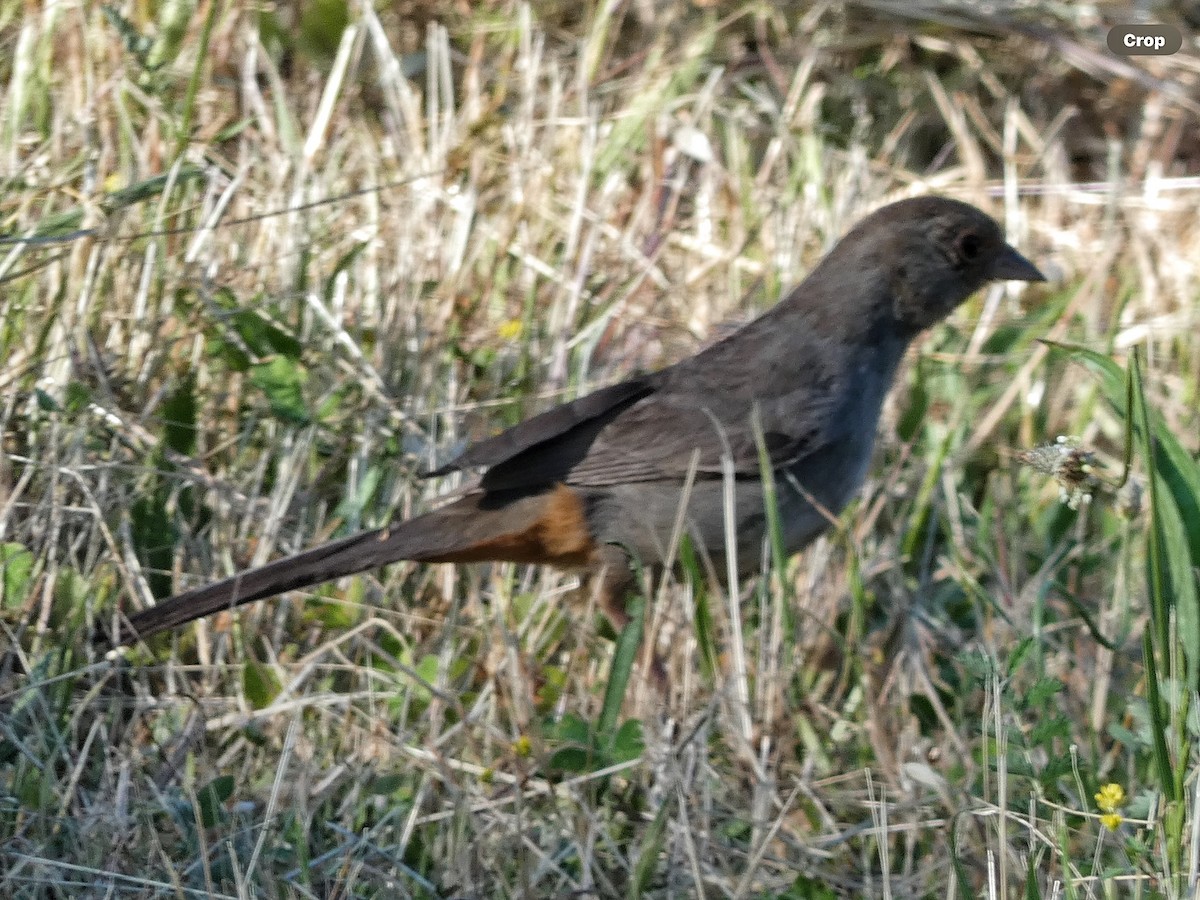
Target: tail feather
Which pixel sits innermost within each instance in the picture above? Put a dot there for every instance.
(325, 563)
(475, 528)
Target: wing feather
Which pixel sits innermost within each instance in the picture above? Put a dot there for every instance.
(724, 400)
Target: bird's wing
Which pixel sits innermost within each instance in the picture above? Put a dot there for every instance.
(553, 432)
(660, 440)
(711, 425)
(726, 401)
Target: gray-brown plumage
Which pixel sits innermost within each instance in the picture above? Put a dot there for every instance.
(585, 484)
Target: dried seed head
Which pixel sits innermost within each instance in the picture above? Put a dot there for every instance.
(1072, 466)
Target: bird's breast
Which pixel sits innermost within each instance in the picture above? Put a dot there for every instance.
(833, 473)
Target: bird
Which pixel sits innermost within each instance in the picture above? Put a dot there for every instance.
(596, 485)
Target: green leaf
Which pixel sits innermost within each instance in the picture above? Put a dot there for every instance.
(59, 224)
(917, 530)
(648, 858)
(333, 615)
(705, 632)
(352, 505)
(154, 535)
(925, 712)
(76, 396)
(1018, 654)
(45, 401)
(915, 413)
(321, 25)
(260, 684)
(149, 188)
(618, 680)
(572, 760)
(179, 417)
(262, 336)
(1047, 728)
(427, 668)
(211, 800)
(173, 17)
(572, 729)
(962, 879)
(1042, 690)
(136, 43)
(1179, 578)
(1123, 735)
(628, 744)
(229, 132)
(16, 570)
(282, 381)
(386, 784)
(235, 358)
(344, 262)
(1158, 724)
(1032, 892)
(978, 664)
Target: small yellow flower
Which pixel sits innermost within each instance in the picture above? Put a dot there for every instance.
(511, 330)
(1110, 797)
(522, 746)
(1111, 821)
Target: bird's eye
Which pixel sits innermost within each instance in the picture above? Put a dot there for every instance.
(969, 246)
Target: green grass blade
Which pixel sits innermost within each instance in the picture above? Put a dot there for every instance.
(1158, 723)
(647, 861)
(622, 666)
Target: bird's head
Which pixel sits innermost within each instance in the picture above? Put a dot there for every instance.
(936, 252)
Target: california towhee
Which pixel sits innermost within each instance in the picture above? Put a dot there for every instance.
(589, 484)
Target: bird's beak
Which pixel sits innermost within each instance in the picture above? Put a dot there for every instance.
(1012, 266)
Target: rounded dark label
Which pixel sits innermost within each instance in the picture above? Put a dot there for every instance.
(1145, 40)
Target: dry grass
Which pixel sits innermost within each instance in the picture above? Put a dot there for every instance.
(363, 253)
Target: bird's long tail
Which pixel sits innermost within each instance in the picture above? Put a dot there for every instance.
(548, 527)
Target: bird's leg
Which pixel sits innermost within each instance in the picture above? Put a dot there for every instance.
(613, 581)
(610, 579)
